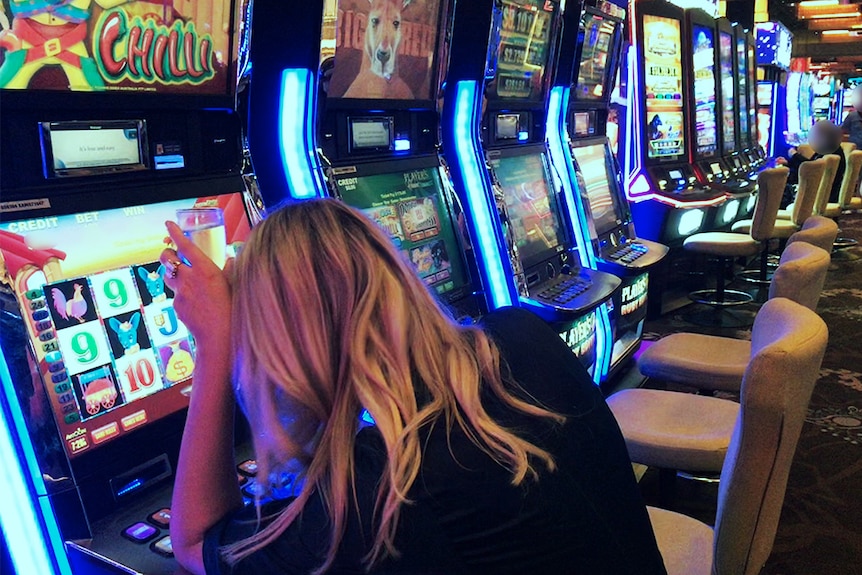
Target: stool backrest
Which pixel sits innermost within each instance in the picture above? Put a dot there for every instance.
(770, 188)
(850, 183)
(787, 345)
(832, 161)
(817, 230)
(810, 175)
(848, 147)
(805, 149)
(801, 274)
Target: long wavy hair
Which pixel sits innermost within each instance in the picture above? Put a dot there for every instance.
(329, 318)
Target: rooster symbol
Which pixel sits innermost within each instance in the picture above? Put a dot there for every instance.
(74, 308)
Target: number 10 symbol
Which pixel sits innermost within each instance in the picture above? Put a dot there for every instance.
(140, 375)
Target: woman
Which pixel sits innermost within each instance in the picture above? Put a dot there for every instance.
(487, 455)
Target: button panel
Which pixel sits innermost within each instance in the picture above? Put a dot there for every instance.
(628, 253)
(564, 291)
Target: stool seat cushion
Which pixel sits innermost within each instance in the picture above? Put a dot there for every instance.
(675, 430)
(686, 544)
(855, 203)
(785, 214)
(697, 360)
(725, 244)
(833, 210)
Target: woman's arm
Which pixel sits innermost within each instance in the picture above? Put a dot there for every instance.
(206, 487)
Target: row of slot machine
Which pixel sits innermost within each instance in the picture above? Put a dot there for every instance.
(473, 132)
(688, 137)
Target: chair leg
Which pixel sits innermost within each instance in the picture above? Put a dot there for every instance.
(667, 488)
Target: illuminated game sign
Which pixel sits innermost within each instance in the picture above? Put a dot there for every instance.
(728, 113)
(580, 336)
(774, 45)
(141, 46)
(703, 61)
(108, 344)
(383, 49)
(598, 32)
(663, 85)
(634, 295)
(523, 52)
(410, 206)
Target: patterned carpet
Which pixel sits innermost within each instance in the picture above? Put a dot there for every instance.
(820, 531)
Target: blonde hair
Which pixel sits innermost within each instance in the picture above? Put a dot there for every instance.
(329, 318)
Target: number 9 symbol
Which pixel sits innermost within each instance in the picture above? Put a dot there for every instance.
(84, 345)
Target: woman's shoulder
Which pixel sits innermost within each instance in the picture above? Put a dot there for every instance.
(540, 361)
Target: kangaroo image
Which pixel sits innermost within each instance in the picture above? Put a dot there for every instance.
(378, 76)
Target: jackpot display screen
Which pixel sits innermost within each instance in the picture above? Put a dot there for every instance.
(594, 166)
(742, 90)
(382, 49)
(133, 46)
(412, 208)
(533, 211)
(524, 49)
(705, 113)
(728, 92)
(664, 128)
(109, 348)
(593, 72)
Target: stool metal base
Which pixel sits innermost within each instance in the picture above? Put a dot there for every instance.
(724, 298)
(754, 276)
(718, 317)
(844, 243)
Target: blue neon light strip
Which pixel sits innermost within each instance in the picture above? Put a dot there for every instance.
(480, 199)
(296, 134)
(30, 547)
(561, 156)
(558, 146)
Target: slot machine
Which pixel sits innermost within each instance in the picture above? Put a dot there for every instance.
(668, 201)
(704, 130)
(379, 133)
(106, 134)
(589, 56)
(745, 115)
(494, 125)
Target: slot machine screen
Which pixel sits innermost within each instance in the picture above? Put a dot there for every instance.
(703, 63)
(594, 164)
(728, 92)
(403, 63)
(412, 208)
(742, 95)
(665, 129)
(184, 48)
(594, 72)
(110, 349)
(532, 208)
(523, 50)
(764, 93)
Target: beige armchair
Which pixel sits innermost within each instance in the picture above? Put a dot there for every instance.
(787, 352)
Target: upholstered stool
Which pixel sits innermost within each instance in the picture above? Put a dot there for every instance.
(849, 188)
(821, 202)
(847, 148)
(810, 176)
(774, 399)
(725, 246)
(717, 363)
(818, 231)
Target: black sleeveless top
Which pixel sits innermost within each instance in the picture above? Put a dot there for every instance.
(585, 517)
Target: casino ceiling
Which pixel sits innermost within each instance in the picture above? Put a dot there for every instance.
(827, 31)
